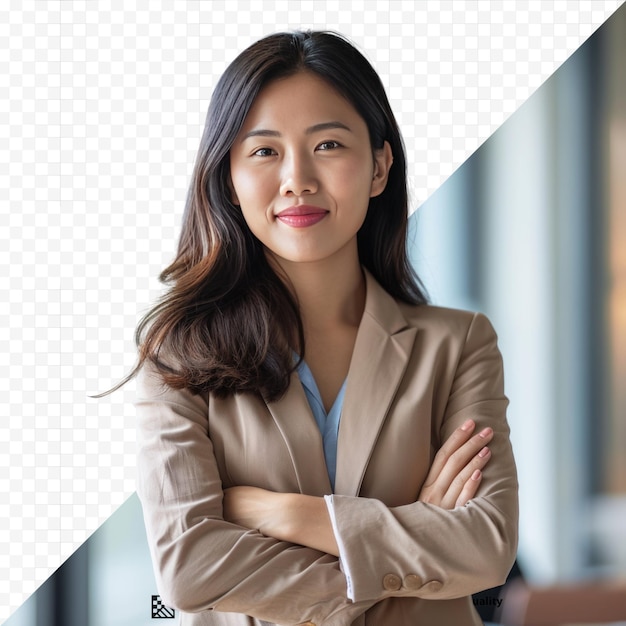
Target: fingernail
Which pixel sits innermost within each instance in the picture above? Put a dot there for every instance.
(468, 425)
(476, 475)
(486, 432)
(484, 452)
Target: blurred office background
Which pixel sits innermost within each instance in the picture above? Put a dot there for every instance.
(530, 230)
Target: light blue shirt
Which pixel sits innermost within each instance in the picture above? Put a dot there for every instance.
(328, 423)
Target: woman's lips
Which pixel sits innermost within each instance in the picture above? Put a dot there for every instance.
(302, 216)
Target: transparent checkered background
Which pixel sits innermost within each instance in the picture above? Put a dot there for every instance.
(102, 109)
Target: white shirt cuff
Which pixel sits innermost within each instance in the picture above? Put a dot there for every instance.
(342, 549)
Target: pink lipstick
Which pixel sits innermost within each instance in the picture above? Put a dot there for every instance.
(302, 215)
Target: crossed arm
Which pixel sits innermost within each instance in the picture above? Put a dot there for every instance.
(452, 481)
(275, 574)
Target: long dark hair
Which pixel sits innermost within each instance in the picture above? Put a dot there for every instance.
(228, 323)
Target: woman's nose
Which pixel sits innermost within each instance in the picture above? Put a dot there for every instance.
(298, 176)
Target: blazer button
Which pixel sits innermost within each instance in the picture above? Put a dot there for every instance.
(433, 585)
(391, 582)
(412, 582)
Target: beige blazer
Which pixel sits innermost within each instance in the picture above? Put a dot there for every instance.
(417, 373)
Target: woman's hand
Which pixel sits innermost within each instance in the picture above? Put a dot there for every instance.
(252, 507)
(292, 517)
(455, 474)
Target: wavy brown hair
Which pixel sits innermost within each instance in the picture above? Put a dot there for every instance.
(229, 323)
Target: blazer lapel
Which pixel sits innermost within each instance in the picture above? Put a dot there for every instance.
(297, 425)
(383, 346)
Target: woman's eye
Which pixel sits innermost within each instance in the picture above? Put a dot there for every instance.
(329, 145)
(263, 152)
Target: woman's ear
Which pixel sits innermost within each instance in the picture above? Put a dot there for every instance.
(383, 159)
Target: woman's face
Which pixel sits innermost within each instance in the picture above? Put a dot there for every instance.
(303, 172)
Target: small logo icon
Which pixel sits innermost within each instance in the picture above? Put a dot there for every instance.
(159, 610)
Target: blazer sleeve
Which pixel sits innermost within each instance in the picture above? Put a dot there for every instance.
(425, 551)
(201, 561)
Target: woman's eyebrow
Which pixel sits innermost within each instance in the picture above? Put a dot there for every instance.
(266, 132)
(261, 132)
(325, 126)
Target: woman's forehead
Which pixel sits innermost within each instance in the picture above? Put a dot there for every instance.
(303, 98)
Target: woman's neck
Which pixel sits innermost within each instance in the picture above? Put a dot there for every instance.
(330, 292)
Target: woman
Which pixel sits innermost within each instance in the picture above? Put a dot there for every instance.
(312, 435)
